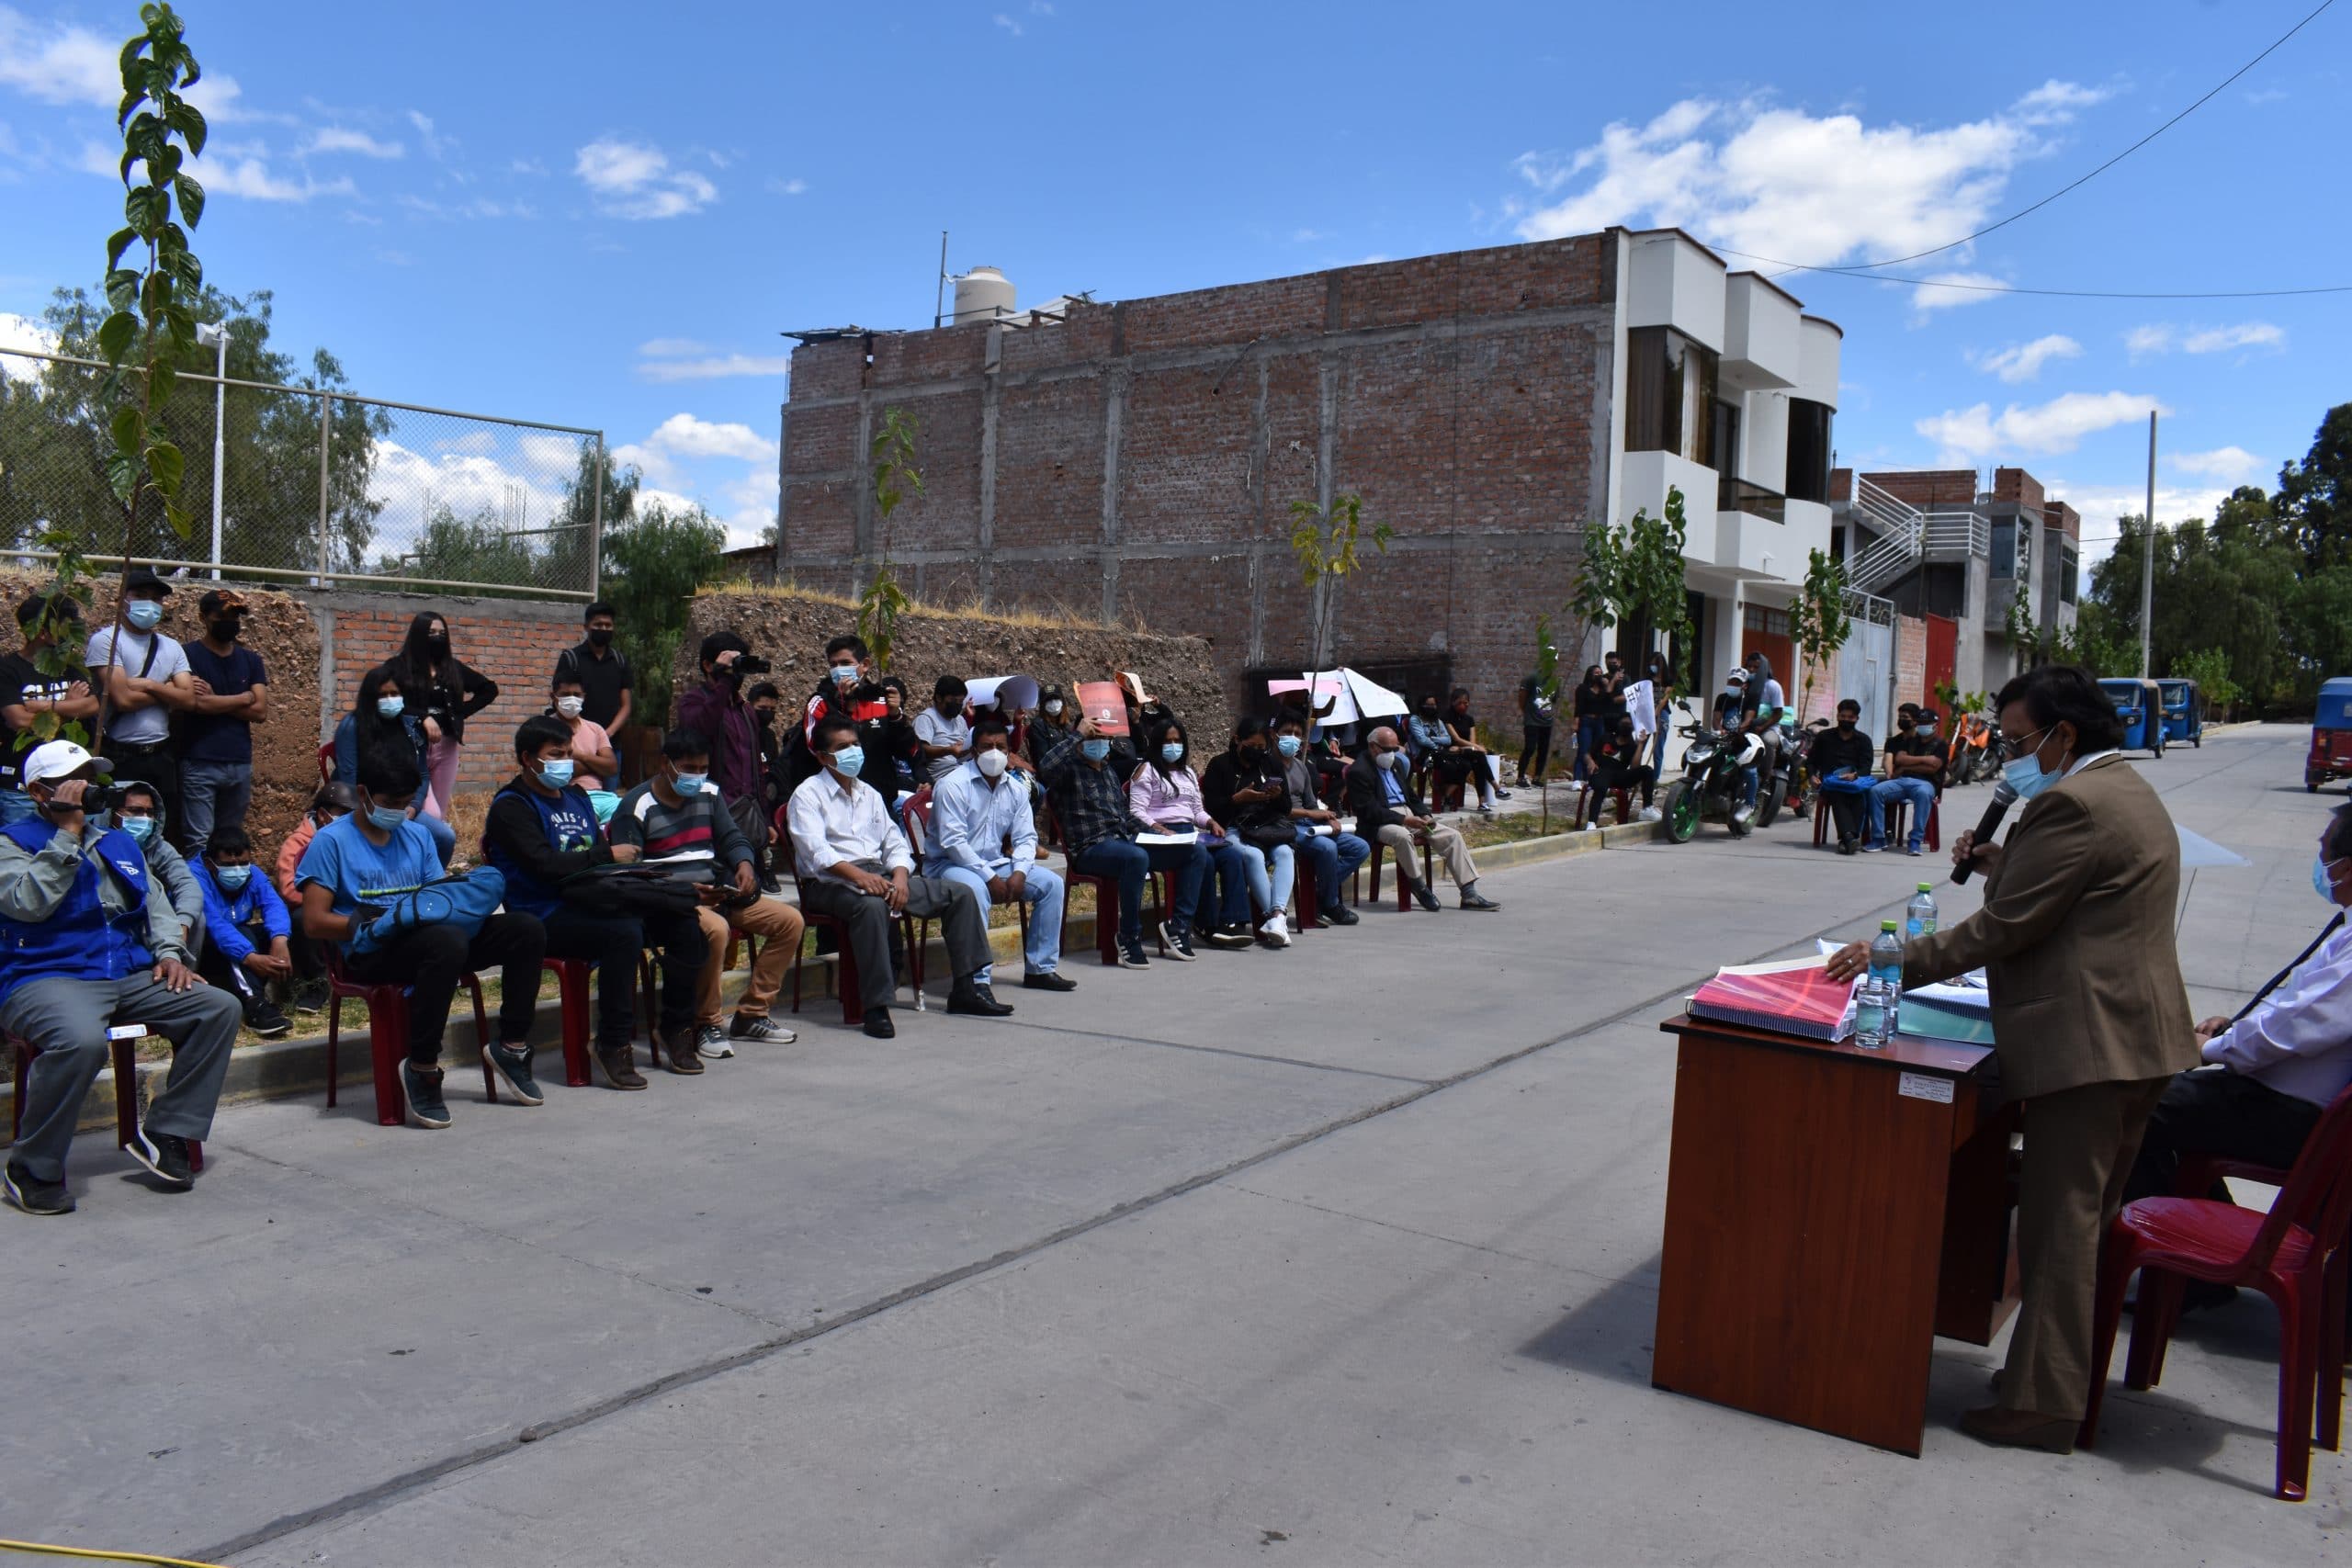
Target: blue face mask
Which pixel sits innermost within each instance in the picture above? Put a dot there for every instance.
(2321, 880)
(390, 706)
(139, 828)
(558, 773)
(1095, 750)
(850, 761)
(1289, 744)
(143, 613)
(387, 816)
(691, 783)
(844, 673)
(232, 877)
(1171, 753)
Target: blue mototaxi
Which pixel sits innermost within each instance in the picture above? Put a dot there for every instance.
(2142, 708)
(2331, 753)
(2184, 712)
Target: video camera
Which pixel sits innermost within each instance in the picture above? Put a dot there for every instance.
(752, 664)
(99, 797)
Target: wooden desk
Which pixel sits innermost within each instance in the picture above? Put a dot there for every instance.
(1828, 1212)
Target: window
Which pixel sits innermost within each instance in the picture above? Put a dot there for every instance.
(2004, 547)
(2069, 559)
(1726, 437)
(1669, 395)
(1809, 450)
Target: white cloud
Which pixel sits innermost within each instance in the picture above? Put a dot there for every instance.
(1784, 183)
(2023, 361)
(669, 347)
(2154, 338)
(1307, 236)
(2228, 464)
(23, 333)
(1950, 290)
(715, 367)
(527, 166)
(1007, 23)
(58, 65)
(1964, 436)
(746, 496)
(2101, 505)
(435, 144)
(2245, 335)
(683, 435)
(336, 139)
(633, 180)
(251, 177)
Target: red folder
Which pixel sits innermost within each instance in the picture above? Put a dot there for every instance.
(1797, 997)
(1101, 701)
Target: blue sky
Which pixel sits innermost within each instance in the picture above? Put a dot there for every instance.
(604, 214)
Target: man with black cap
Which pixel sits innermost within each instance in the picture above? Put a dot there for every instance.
(217, 738)
(143, 678)
(28, 692)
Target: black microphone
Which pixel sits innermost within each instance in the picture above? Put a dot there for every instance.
(2005, 795)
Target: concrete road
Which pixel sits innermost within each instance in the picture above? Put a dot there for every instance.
(1340, 1255)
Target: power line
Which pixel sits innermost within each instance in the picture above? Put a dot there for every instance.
(2061, 293)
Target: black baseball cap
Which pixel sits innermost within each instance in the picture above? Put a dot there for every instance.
(142, 580)
(219, 599)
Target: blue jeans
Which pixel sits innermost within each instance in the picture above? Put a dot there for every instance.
(1917, 791)
(212, 793)
(1129, 863)
(1270, 873)
(1040, 889)
(1332, 859)
(1588, 732)
(16, 807)
(1229, 861)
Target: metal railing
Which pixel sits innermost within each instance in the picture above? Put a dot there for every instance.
(308, 486)
(1740, 495)
(1954, 536)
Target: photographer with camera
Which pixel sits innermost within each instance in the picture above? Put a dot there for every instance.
(718, 710)
(89, 946)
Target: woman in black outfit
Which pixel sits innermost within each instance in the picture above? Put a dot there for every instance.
(1593, 714)
(443, 691)
(1535, 731)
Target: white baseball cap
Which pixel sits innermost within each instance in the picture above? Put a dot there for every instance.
(60, 760)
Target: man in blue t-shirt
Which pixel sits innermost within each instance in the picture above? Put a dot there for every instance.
(357, 863)
(216, 736)
(541, 831)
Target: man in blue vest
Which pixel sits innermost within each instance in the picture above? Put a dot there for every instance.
(84, 946)
(542, 830)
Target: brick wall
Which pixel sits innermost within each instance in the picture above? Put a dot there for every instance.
(1932, 490)
(2016, 485)
(1911, 660)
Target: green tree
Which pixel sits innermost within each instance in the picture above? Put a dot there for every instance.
(1326, 547)
(2209, 668)
(573, 528)
(653, 563)
(2314, 501)
(473, 548)
(895, 478)
(1817, 619)
(1635, 575)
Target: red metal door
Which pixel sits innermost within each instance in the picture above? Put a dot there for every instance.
(1943, 657)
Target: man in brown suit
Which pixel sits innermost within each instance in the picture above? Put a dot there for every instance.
(2090, 1017)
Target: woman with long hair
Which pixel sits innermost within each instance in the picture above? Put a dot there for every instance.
(381, 719)
(1165, 794)
(443, 691)
(1244, 789)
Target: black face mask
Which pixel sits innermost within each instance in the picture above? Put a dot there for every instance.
(600, 637)
(1845, 726)
(225, 631)
(437, 644)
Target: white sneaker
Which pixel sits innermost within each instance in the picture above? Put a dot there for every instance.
(711, 1041)
(1275, 930)
(1650, 814)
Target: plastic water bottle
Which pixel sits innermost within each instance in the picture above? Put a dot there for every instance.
(1886, 969)
(1919, 915)
(1871, 1023)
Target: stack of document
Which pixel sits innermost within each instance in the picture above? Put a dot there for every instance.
(1958, 1009)
(1794, 997)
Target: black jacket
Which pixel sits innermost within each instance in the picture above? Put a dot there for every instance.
(1833, 752)
(1368, 798)
(1229, 771)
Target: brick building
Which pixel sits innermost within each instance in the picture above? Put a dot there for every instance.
(1139, 460)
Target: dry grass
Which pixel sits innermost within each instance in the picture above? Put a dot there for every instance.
(1059, 618)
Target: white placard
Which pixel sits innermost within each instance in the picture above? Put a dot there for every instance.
(1020, 692)
(1923, 1085)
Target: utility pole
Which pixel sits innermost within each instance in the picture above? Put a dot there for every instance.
(939, 296)
(2148, 561)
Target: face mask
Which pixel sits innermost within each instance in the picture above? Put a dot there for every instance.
(2025, 776)
(390, 706)
(570, 706)
(557, 774)
(225, 631)
(438, 642)
(1095, 750)
(387, 816)
(139, 828)
(1392, 760)
(850, 761)
(600, 637)
(1171, 753)
(689, 783)
(765, 715)
(2321, 880)
(1053, 707)
(232, 877)
(844, 673)
(1845, 726)
(143, 613)
(991, 764)
(1289, 743)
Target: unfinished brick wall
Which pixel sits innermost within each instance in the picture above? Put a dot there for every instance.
(1911, 660)
(1137, 462)
(1932, 490)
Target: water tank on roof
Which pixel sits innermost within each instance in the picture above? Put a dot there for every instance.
(982, 294)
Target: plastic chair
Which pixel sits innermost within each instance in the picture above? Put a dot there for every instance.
(577, 1022)
(122, 1045)
(1898, 819)
(388, 1034)
(2173, 1240)
(1404, 888)
(1305, 889)
(326, 762)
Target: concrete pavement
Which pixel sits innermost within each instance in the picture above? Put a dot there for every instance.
(1341, 1254)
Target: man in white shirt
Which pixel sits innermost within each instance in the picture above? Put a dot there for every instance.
(984, 836)
(855, 866)
(2270, 1071)
(144, 676)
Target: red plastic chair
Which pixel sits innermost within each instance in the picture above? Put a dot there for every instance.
(1404, 888)
(847, 980)
(388, 1034)
(326, 762)
(123, 1041)
(2173, 1240)
(577, 1022)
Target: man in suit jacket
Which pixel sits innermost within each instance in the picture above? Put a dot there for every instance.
(2090, 1017)
(1387, 811)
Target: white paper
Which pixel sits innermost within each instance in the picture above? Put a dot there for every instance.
(1018, 691)
(1923, 1085)
(1149, 840)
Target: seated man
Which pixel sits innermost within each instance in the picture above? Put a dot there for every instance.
(677, 820)
(541, 831)
(139, 811)
(1915, 759)
(1388, 810)
(1617, 764)
(984, 836)
(90, 946)
(248, 936)
(1840, 759)
(378, 851)
(2271, 1070)
(1765, 705)
(1333, 856)
(1098, 829)
(855, 865)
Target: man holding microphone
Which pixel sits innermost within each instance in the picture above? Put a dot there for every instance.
(2090, 1017)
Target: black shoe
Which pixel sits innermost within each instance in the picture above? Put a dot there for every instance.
(1177, 941)
(1131, 956)
(1225, 937)
(263, 1019)
(1427, 897)
(33, 1195)
(1846, 846)
(978, 1002)
(1340, 915)
(878, 1025)
(165, 1155)
(421, 1087)
(311, 995)
(1478, 901)
(768, 884)
(682, 1050)
(1035, 981)
(511, 1063)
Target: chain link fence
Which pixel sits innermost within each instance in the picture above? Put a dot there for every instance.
(295, 486)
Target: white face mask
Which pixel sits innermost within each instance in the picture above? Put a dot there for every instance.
(570, 706)
(1053, 707)
(991, 764)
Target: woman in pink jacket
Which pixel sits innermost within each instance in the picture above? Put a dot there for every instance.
(1165, 793)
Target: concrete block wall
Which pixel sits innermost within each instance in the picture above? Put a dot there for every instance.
(1911, 659)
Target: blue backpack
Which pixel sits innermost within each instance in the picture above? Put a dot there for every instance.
(464, 902)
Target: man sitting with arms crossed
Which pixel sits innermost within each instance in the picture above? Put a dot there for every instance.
(1915, 761)
(1331, 856)
(677, 820)
(89, 946)
(355, 864)
(1385, 803)
(984, 836)
(855, 865)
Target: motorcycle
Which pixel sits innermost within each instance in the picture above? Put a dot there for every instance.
(1712, 770)
(1978, 750)
(1804, 790)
